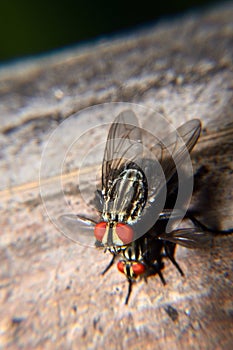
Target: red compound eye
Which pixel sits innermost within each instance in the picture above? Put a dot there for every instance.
(120, 266)
(138, 269)
(125, 233)
(99, 230)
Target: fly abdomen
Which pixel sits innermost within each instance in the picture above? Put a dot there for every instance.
(126, 197)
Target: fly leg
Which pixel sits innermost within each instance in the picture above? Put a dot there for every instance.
(154, 269)
(109, 265)
(161, 275)
(129, 280)
(129, 291)
(197, 223)
(169, 248)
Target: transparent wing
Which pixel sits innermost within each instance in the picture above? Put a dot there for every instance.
(189, 238)
(78, 229)
(167, 214)
(177, 147)
(158, 158)
(172, 151)
(124, 145)
(127, 142)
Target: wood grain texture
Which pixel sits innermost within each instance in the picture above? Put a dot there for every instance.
(52, 293)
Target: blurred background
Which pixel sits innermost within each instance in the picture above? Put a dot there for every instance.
(32, 27)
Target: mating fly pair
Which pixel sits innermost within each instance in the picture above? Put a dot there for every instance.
(137, 202)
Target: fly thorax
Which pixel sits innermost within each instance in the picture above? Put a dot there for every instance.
(126, 197)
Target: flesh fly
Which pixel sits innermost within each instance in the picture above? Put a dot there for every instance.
(137, 199)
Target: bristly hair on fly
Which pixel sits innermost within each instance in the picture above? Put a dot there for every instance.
(134, 207)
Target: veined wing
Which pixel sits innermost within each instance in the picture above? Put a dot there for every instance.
(78, 229)
(124, 145)
(163, 160)
(189, 237)
(171, 153)
(127, 142)
(178, 147)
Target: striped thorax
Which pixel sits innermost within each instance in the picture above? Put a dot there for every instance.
(123, 205)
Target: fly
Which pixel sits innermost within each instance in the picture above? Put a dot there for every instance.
(136, 201)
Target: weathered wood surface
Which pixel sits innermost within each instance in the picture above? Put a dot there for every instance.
(52, 294)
